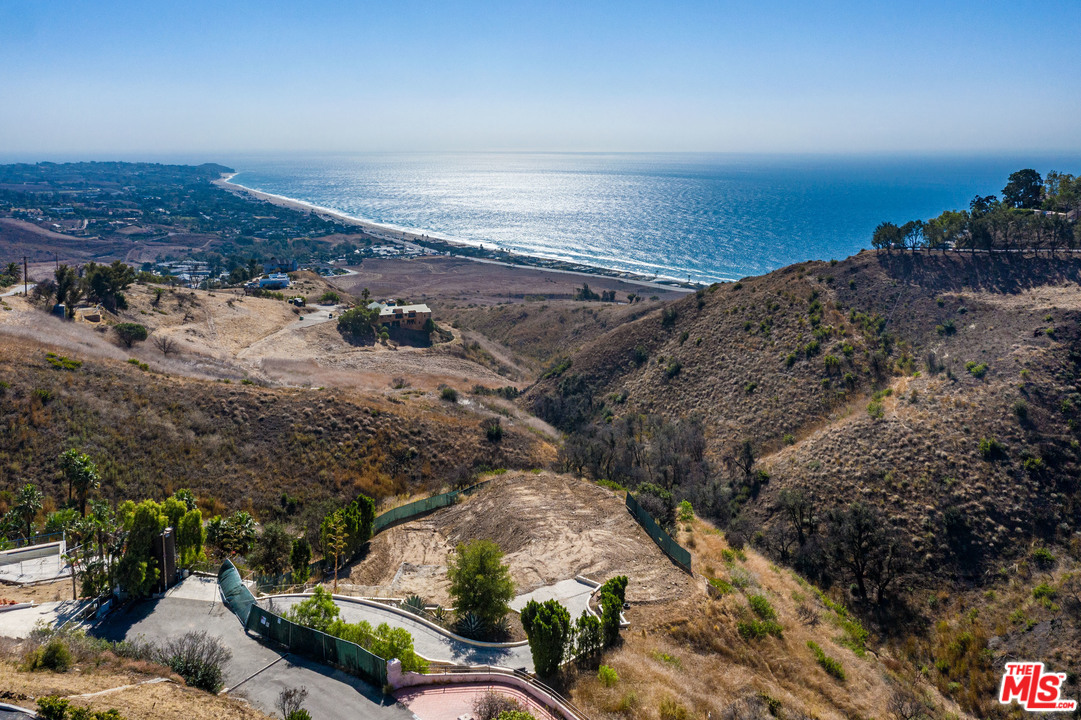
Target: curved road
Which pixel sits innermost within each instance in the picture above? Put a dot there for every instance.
(427, 642)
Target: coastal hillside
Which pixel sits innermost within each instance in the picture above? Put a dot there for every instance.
(152, 431)
(927, 383)
(900, 427)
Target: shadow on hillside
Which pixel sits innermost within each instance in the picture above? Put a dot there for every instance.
(998, 272)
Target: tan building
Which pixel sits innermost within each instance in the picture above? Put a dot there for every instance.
(407, 317)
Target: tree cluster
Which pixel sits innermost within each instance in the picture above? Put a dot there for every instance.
(585, 293)
(640, 450)
(344, 531)
(319, 612)
(554, 637)
(853, 543)
(1033, 214)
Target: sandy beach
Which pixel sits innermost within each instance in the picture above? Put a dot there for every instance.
(411, 240)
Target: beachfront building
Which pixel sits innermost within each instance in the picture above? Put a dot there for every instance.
(406, 317)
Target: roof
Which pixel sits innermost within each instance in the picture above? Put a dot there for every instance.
(402, 309)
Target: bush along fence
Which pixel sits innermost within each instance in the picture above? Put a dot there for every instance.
(679, 554)
(319, 568)
(316, 569)
(318, 646)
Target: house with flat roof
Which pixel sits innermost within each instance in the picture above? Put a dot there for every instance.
(274, 281)
(407, 317)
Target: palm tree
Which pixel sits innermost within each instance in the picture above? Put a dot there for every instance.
(81, 474)
(28, 503)
(104, 529)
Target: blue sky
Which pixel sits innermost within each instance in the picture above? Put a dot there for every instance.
(109, 77)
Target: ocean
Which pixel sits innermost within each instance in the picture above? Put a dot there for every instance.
(684, 216)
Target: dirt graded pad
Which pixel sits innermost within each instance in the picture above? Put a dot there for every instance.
(550, 526)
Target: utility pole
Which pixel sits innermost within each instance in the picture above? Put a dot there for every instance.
(25, 293)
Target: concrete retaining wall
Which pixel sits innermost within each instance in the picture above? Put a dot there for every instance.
(10, 557)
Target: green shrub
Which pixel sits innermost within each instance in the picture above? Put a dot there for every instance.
(63, 363)
(673, 369)
(758, 629)
(51, 707)
(198, 658)
(607, 676)
(874, 409)
(493, 429)
(130, 333)
(762, 608)
(831, 666)
(684, 511)
(1043, 557)
(330, 298)
(56, 656)
(446, 392)
(356, 323)
(976, 370)
(1043, 591)
(722, 586)
(300, 714)
(992, 449)
(672, 710)
(480, 582)
(789, 439)
(589, 636)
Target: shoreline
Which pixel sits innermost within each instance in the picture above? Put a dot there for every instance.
(424, 242)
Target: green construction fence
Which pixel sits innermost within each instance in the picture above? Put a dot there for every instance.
(298, 639)
(679, 554)
(421, 507)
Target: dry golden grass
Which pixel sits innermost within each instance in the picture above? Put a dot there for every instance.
(690, 650)
(169, 700)
(152, 433)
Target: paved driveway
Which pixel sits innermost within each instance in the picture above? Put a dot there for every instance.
(430, 643)
(571, 594)
(19, 623)
(331, 693)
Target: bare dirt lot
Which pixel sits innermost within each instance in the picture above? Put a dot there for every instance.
(460, 279)
(551, 527)
(39, 593)
(224, 334)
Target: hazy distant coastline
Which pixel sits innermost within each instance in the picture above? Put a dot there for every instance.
(478, 252)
